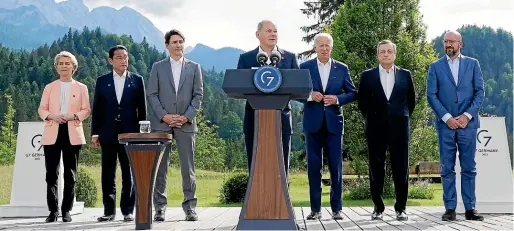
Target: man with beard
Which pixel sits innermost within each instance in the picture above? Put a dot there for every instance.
(455, 92)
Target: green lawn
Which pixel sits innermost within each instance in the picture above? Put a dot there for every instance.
(209, 184)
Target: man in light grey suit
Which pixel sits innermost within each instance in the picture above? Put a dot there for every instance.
(175, 94)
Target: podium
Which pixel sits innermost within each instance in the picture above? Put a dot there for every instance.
(267, 205)
(144, 152)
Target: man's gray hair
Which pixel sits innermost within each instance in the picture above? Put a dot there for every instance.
(386, 41)
(324, 35)
(69, 55)
(261, 24)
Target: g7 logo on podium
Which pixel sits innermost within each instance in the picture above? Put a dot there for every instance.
(267, 79)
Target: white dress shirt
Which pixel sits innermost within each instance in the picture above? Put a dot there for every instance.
(176, 69)
(65, 96)
(269, 60)
(324, 72)
(454, 68)
(119, 84)
(324, 75)
(387, 80)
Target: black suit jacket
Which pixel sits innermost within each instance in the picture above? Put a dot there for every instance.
(247, 61)
(106, 108)
(373, 103)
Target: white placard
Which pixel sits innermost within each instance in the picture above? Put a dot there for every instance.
(494, 181)
(28, 193)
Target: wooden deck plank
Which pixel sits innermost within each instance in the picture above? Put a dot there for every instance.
(311, 224)
(204, 215)
(226, 218)
(442, 225)
(232, 216)
(367, 223)
(459, 224)
(499, 221)
(299, 217)
(382, 225)
(327, 221)
(391, 220)
(220, 217)
(479, 225)
(415, 220)
(346, 223)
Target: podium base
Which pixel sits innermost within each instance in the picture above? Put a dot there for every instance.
(489, 207)
(267, 224)
(35, 211)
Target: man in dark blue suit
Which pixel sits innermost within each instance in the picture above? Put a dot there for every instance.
(387, 99)
(267, 35)
(455, 92)
(323, 124)
(118, 106)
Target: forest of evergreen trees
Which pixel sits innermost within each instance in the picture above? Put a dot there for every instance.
(23, 74)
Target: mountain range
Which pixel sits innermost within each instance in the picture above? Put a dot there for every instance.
(28, 24)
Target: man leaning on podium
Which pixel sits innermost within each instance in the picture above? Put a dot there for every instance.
(267, 35)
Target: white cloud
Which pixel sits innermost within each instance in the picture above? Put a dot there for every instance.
(221, 23)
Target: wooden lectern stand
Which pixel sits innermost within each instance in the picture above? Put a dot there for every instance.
(267, 205)
(145, 152)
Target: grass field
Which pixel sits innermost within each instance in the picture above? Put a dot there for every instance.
(209, 184)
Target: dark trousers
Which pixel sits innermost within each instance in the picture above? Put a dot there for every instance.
(70, 156)
(111, 151)
(331, 144)
(393, 134)
(286, 148)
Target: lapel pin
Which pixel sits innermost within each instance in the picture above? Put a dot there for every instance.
(108, 85)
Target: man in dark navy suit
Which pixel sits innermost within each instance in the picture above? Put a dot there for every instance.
(332, 88)
(386, 99)
(118, 106)
(267, 35)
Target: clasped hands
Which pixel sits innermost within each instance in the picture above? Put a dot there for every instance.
(327, 99)
(458, 122)
(174, 120)
(61, 118)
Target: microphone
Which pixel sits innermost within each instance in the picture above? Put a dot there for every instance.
(275, 57)
(262, 58)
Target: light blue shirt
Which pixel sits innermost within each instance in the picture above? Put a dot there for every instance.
(454, 67)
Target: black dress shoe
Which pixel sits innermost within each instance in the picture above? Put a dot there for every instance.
(337, 215)
(473, 215)
(128, 217)
(191, 215)
(159, 215)
(66, 217)
(52, 217)
(449, 215)
(401, 216)
(107, 218)
(376, 215)
(314, 216)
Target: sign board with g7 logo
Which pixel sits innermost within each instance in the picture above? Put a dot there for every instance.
(494, 182)
(267, 79)
(28, 195)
